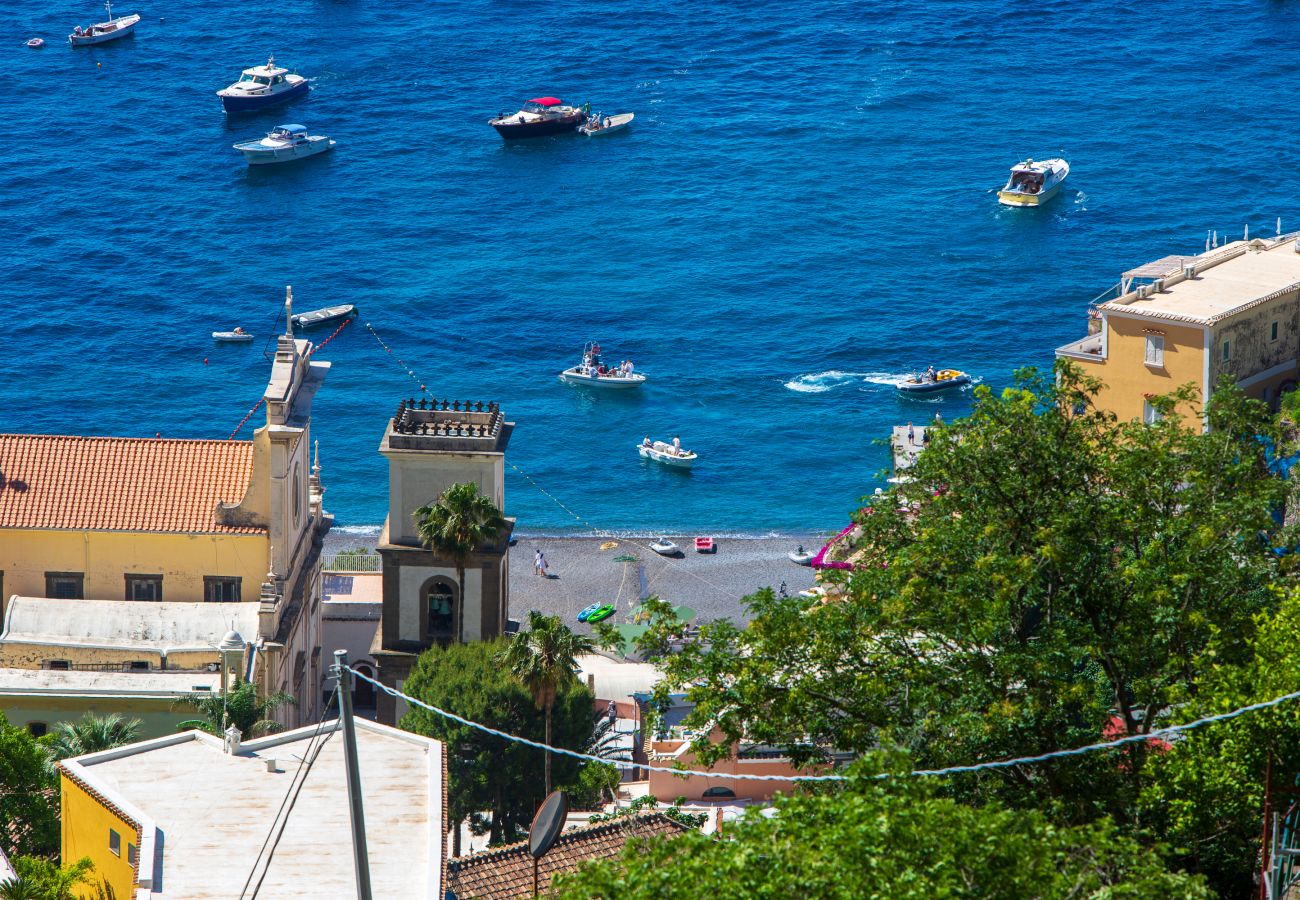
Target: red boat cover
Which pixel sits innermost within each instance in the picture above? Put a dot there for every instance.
(546, 101)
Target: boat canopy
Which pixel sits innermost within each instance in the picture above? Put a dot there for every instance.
(292, 129)
(546, 101)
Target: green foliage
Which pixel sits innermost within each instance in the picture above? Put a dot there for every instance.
(455, 525)
(29, 801)
(90, 734)
(650, 804)
(42, 879)
(485, 772)
(594, 785)
(356, 559)
(893, 840)
(242, 707)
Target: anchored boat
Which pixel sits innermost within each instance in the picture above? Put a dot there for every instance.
(284, 143)
(931, 381)
(594, 373)
(262, 86)
(101, 32)
(326, 316)
(539, 117)
(668, 454)
(1033, 183)
(238, 336)
(599, 125)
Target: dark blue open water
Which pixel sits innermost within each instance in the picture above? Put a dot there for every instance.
(801, 213)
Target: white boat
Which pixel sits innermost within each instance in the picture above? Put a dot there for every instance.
(930, 381)
(238, 336)
(667, 454)
(326, 316)
(284, 143)
(263, 86)
(598, 124)
(801, 556)
(594, 373)
(665, 547)
(36, 43)
(1034, 182)
(101, 32)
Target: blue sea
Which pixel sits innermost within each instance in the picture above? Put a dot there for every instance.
(802, 213)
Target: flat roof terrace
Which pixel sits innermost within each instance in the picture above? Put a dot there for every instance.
(1226, 281)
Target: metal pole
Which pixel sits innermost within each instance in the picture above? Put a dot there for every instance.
(536, 860)
(360, 855)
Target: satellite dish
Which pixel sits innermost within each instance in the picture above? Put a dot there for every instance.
(547, 824)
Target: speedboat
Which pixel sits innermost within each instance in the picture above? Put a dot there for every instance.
(665, 547)
(801, 556)
(668, 454)
(284, 143)
(594, 373)
(598, 124)
(1034, 182)
(262, 86)
(238, 336)
(539, 117)
(326, 316)
(941, 380)
(36, 43)
(100, 32)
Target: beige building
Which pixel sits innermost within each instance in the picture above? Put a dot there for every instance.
(1234, 311)
(189, 521)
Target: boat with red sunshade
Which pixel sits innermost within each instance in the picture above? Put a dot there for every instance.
(539, 117)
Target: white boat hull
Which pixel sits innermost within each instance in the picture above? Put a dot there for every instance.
(125, 25)
(666, 548)
(616, 123)
(259, 155)
(663, 453)
(802, 559)
(615, 382)
(231, 337)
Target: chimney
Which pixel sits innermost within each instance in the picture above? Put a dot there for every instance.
(272, 766)
(232, 740)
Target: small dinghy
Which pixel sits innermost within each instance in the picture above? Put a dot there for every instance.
(326, 316)
(592, 372)
(101, 32)
(665, 547)
(668, 454)
(36, 43)
(931, 380)
(801, 556)
(238, 336)
(284, 143)
(598, 124)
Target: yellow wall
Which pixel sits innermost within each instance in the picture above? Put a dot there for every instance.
(1128, 378)
(15, 654)
(158, 717)
(105, 557)
(85, 827)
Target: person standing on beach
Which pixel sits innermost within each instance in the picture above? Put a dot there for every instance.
(537, 563)
(542, 568)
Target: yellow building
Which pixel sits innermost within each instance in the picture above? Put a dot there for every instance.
(1233, 311)
(187, 816)
(193, 521)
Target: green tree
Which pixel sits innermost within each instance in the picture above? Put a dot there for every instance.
(241, 707)
(460, 522)
(91, 734)
(36, 878)
(1049, 573)
(544, 658)
(29, 802)
(486, 772)
(894, 840)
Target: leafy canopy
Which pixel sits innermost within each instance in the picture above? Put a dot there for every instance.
(29, 801)
(243, 708)
(459, 522)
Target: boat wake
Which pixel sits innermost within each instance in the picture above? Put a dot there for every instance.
(821, 382)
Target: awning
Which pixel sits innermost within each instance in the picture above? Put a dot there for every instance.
(546, 101)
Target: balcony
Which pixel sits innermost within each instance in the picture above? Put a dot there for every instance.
(1087, 349)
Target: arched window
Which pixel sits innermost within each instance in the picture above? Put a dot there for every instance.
(440, 602)
(363, 692)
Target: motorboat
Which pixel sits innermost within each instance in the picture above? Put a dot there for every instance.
(238, 336)
(1034, 182)
(100, 32)
(539, 117)
(284, 143)
(932, 380)
(801, 556)
(327, 316)
(263, 86)
(36, 43)
(665, 547)
(667, 454)
(592, 372)
(596, 612)
(598, 124)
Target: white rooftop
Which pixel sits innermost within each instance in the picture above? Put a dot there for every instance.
(1229, 279)
(125, 624)
(204, 814)
(157, 684)
(616, 679)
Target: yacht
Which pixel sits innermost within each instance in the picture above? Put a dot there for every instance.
(539, 117)
(1034, 182)
(284, 143)
(262, 86)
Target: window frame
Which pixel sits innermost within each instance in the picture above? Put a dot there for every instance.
(1227, 350)
(52, 578)
(211, 583)
(114, 843)
(1150, 415)
(57, 665)
(1154, 351)
(135, 578)
(1272, 332)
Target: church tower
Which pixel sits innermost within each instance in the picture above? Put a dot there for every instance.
(431, 445)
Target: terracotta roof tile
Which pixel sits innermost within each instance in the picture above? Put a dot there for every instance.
(507, 872)
(121, 484)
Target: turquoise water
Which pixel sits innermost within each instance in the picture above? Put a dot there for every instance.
(801, 213)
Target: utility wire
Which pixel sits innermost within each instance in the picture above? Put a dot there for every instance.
(951, 770)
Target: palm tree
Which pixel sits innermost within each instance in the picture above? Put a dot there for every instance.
(240, 707)
(458, 523)
(91, 734)
(543, 658)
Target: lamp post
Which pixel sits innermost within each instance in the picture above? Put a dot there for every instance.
(232, 643)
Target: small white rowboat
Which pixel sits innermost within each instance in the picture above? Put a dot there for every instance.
(232, 337)
(667, 455)
(665, 547)
(606, 124)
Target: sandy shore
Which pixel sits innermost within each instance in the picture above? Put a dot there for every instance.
(581, 573)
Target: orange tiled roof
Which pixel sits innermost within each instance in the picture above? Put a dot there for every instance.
(121, 484)
(507, 872)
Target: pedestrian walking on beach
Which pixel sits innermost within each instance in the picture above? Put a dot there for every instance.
(537, 563)
(542, 568)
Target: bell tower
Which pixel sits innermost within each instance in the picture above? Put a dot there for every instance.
(431, 445)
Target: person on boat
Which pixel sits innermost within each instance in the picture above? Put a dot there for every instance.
(628, 369)
(602, 370)
(606, 125)
(929, 374)
(239, 329)
(677, 445)
(647, 442)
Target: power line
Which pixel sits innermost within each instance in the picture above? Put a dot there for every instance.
(950, 770)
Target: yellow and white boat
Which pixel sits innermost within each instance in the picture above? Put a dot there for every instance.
(1034, 182)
